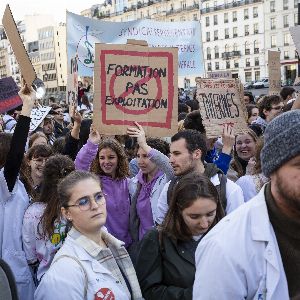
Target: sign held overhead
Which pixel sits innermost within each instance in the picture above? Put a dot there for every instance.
(135, 83)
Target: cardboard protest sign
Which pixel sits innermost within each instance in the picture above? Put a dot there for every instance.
(135, 83)
(9, 97)
(12, 34)
(274, 72)
(220, 103)
(219, 74)
(37, 116)
(72, 82)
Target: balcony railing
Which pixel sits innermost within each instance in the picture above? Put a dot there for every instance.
(256, 50)
(229, 6)
(227, 55)
(195, 6)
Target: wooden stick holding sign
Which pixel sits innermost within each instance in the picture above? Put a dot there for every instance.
(134, 82)
(274, 72)
(27, 70)
(220, 103)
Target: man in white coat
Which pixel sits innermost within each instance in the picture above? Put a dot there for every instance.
(254, 253)
(188, 150)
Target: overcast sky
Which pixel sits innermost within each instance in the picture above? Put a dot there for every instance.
(56, 8)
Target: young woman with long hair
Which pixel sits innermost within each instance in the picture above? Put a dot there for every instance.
(43, 229)
(165, 263)
(107, 159)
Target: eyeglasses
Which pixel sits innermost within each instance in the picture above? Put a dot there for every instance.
(40, 160)
(85, 203)
(280, 107)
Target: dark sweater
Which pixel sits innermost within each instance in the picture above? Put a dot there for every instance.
(287, 233)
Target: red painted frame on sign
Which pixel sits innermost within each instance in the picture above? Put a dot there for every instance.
(169, 56)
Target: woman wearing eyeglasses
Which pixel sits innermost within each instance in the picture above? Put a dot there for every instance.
(43, 230)
(91, 264)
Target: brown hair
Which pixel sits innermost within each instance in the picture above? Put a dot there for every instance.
(266, 104)
(5, 140)
(235, 164)
(56, 168)
(122, 170)
(25, 171)
(257, 167)
(188, 189)
(35, 136)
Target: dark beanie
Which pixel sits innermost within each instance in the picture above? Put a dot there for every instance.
(281, 141)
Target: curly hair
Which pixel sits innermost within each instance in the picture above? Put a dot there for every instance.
(56, 168)
(122, 170)
(188, 189)
(25, 171)
(5, 141)
(266, 104)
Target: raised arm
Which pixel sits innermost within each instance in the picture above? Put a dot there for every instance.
(17, 147)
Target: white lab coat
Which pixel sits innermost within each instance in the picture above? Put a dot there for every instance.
(12, 209)
(65, 279)
(234, 195)
(240, 259)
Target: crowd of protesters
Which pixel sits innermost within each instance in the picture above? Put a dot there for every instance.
(88, 216)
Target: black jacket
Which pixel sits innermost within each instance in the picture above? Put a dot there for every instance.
(166, 270)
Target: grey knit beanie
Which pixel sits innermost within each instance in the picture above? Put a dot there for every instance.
(281, 141)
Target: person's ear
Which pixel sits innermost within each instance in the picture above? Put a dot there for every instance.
(66, 214)
(197, 154)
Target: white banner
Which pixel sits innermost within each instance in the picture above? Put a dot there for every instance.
(37, 116)
(83, 33)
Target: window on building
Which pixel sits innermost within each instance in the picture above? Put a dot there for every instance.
(217, 52)
(256, 47)
(183, 4)
(286, 21)
(272, 22)
(246, 29)
(257, 75)
(255, 28)
(234, 31)
(255, 12)
(227, 49)
(286, 37)
(295, 3)
(272, 6)
(216, 35)
(295, 19)
(208, 36)
(234, 16)
(226, 33)
(209, 66)
(227, 64)
(236, 63)
(235, 47)
(246, 14)
(207, 21)
(256, 61)
(273, 41)
(217, 65)
(247, 62)
(285, 4)
(195, 17)
(247, 48)
(248, 76)
(226, 18)
(286, 55)
(208, 52)
(182, 19)
(215, 20)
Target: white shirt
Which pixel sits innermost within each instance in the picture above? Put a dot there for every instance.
(234, 196)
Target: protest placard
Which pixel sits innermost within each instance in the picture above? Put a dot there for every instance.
(72, 81)
(274, 72)
(219, 74)
(135, 83)
(17, 45)
(220, 103)
(37, 115)
(83, 33)
(9, 97)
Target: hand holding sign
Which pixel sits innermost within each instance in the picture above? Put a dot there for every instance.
(28, 96)
(228, 139)
(94, 136)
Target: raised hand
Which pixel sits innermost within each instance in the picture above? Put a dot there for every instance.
(94, 136)
(228, 139)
